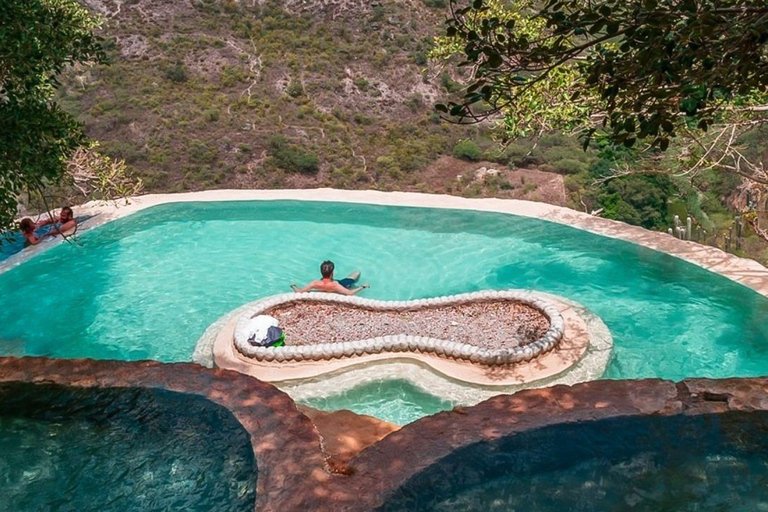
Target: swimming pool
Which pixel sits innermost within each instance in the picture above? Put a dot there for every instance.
(146, 286)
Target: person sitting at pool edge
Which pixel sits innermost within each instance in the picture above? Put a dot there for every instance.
(27, 227)
(66, 222)
(328, 284)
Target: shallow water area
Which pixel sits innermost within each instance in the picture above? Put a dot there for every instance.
(148, 285)
(121, 450)
(395, 401)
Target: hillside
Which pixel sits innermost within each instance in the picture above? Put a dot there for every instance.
(203, 94)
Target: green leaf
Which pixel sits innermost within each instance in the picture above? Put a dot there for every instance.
(597, 27)
(689, 106)
(494, 60)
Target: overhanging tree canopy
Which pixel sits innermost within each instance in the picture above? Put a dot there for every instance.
(637, 69)
(38, 40)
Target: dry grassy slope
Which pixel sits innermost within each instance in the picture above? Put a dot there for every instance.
(196, 89)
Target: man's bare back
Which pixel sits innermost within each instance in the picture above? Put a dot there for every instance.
(329, 285)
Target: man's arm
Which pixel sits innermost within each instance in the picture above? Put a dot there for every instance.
(70, 224)
(351, 291)
(309, 287)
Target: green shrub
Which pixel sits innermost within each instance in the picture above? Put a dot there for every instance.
(552, 155)
(232, 75)
(569, 166)
(639, 200)
(494, 155)
(557, 139)
(292, 157)
(202, 152)
(363, 119)
(547, 168)
(421, 58)
(449, 84)
(515, 153)
(295, 88)
(176, 73)
(211, 115)
(125, 150)
(467, 150)
(389, 165)
(415, 102)
(361, 83)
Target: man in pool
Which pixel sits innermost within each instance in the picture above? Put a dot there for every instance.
(65, 222)
(329, 285)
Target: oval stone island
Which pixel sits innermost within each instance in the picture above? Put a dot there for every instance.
(497, 341)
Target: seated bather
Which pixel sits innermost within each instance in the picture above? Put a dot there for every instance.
(27, 227)
(64, 224)
(328, 284)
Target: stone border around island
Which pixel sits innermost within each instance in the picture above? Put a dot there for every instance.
(407, 343)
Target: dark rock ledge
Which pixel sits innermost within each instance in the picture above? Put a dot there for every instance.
(293, 473)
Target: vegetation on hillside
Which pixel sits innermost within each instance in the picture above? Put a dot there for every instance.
(683, 84)
(214, 94)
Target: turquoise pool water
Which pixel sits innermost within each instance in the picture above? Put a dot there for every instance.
(396, 401)
(148, 285)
